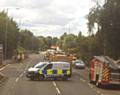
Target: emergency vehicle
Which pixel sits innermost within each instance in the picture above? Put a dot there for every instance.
(45, 70)
(104, 71)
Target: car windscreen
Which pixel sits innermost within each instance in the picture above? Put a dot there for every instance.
(79, 62)
(39, 66)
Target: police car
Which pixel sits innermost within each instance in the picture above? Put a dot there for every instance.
(44, 70)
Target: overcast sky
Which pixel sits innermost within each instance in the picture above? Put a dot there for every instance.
(49, 17)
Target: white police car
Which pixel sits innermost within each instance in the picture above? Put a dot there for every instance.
(44, 70)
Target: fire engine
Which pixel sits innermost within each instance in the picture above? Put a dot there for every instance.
(104, 71)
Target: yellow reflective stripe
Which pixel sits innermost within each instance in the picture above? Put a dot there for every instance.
(40, 72)
(49, 72)
(68, 72)
(59, 72)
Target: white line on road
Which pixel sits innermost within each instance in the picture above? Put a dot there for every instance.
(17, 79)
(58, 91)
(91, 86)
(1, 74)
(27, 66)
(98, 91)
(82, 80)
(4, 67)
(21, 75)
(54, 84)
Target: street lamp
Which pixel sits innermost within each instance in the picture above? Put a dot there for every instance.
(6, 32)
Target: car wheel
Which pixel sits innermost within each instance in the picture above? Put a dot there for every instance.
(41, 77)
(64, 78)
(32, 78)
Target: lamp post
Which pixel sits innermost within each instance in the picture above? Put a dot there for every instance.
(6, 32)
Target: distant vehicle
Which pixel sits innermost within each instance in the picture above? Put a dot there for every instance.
(51, 51)
(44, 70)
(79, 64)
(104, 71)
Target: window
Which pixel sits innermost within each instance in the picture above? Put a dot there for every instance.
(49, 66)
(40, 66)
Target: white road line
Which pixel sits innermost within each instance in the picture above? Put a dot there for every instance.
(17, 79)
(82, 80)
(58, 91)
(54, 84)
(27, 66)
(98, 91)
(91, 86)
(4, 67)
(21, 75)
(2, 74)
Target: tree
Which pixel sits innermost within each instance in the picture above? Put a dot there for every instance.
(8, 34)
(107, 19)
(69, 43)
(49, 41)
(55, 41)
(42, 43)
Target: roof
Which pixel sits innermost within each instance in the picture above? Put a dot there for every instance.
(108, 60)
(60, 62)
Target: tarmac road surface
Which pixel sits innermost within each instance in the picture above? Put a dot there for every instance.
(16, 83)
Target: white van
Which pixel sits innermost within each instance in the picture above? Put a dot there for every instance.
(50, 70)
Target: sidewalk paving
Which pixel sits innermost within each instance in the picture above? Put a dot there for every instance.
(5, 62)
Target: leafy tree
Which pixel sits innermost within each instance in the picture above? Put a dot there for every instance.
(69, 43)
(8, 34)
(42, 43)
(55, 41)
(107, 19)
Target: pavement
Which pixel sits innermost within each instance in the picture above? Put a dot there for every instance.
(16, 83)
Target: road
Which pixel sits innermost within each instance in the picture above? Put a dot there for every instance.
(16, 83)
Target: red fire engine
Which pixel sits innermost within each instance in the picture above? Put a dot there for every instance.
(104, 71)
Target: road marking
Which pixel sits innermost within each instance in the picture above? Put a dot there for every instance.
(98, 91)
(58, 91)
(17, 79)
(94, 89)
(21, 75)
(27, 66)
(2, 74)
(82, 80)
(91, 86)
(54, 84)
(4, 67)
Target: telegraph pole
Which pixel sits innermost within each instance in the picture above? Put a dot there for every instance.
(6, 30)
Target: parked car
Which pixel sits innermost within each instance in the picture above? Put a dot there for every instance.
(79, 64)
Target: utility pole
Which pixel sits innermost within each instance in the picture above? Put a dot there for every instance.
(6, 33)
(6, 30)
(69, 29)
